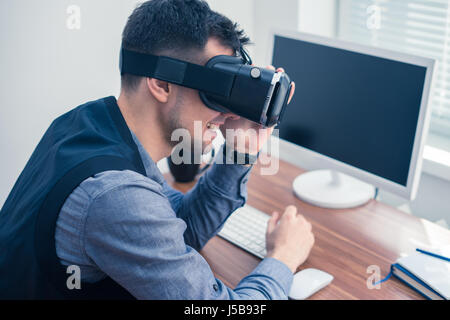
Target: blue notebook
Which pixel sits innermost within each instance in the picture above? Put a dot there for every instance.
(428, 275)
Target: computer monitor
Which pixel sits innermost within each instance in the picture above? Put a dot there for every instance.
(363, 111)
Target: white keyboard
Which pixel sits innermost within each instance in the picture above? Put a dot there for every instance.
(246, 228)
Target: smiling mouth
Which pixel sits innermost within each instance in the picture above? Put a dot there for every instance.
(213, 126)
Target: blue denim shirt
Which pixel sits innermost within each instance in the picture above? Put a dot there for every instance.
(145, 235)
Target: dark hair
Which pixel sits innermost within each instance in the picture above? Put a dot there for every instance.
(179, 29)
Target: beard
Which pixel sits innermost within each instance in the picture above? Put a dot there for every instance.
(193, 145)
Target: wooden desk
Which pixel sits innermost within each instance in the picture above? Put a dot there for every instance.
(346, 241)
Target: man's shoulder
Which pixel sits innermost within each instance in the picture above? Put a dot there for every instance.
(118, 181)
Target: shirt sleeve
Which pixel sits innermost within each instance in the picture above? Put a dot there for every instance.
(217, 194)
(133, 235)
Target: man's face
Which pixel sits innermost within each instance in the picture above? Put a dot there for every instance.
(189, 108)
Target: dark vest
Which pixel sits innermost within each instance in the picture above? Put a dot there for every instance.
(79, 144)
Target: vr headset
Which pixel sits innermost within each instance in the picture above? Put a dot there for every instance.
(225, 83)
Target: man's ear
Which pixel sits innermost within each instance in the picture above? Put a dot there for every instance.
(159, 89)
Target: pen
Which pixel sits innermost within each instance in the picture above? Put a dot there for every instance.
(433, 254)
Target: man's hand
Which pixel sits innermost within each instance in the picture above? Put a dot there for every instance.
(246, 136)
(289, 238)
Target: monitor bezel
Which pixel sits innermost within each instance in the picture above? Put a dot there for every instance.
(410, 190)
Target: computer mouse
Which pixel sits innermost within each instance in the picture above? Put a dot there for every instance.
(307, 282)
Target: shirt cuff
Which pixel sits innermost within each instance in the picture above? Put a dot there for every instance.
(277, 270)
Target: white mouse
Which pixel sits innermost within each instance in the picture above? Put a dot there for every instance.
(307, 282)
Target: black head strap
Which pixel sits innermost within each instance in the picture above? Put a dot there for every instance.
(176, 71)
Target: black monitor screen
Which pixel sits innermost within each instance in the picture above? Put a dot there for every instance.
(356, 108)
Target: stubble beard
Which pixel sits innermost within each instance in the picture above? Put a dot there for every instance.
(174, 122)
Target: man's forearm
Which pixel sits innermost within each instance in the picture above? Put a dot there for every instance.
(219, 192)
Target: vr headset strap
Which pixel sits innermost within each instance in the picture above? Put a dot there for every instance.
(176, 71)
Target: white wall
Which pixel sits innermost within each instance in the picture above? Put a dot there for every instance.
(258, 18)
(47, 69)
(240, 11)
(318, 17)
(270, 15)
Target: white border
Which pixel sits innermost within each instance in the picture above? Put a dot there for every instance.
(410, 191)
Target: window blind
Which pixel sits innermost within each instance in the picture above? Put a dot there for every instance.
(420, 27)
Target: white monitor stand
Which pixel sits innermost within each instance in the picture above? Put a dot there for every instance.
(332, 189)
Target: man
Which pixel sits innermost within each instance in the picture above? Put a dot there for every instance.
(92, 199)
